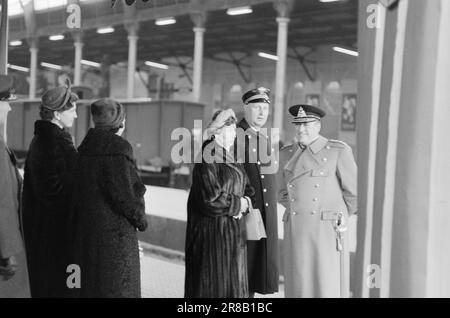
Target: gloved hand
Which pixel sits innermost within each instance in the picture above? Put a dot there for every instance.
(142, 225)
(8, 267)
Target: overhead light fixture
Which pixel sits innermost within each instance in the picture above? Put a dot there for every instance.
(239, 10)
(334, 85)
(90, 63)
(299, 85)
(40, 5)
(165, 21)
(19, 68)
(345, 51)
(268, 56)
(15, 7)
(56, 37)
(236, 88)
(157, 65)
(15, 43)
(50, 65)
(105, 30)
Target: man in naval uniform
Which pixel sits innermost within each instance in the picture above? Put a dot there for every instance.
(318, 190)
(256, 152)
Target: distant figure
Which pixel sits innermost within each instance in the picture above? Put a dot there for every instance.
(46, 194)
(108, 208)
(262, 255)
(319, 193)
(13, 265)
(216, 259)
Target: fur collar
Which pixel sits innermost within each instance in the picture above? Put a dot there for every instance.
(104, 142)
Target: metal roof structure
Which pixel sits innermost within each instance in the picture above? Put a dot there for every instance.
(312, 23)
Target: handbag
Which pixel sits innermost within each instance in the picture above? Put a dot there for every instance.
(254, 224)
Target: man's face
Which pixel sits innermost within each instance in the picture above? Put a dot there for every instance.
(256, 114)
(307, 132)
(67, 117)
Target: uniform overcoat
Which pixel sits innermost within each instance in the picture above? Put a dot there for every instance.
(262, 255)
(319, 181)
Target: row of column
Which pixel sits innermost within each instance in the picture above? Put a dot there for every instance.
(283, 8)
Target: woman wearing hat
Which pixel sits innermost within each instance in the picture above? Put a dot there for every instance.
(108, 208)
(216, 263)
(47, 186)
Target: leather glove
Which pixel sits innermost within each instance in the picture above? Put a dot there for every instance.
(8, 267)
(142, 225)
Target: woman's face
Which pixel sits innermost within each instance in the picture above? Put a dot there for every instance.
(121, 130)
(67, 117)
(227, 135)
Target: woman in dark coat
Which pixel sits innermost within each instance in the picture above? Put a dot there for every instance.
(108, 207)
(216, 260)
(47, 186)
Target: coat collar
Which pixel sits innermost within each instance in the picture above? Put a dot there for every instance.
(297, 151)
(244, 125)
(299, 168)
(209, 155)
(48, 129)
(104, 142)
(318, 144)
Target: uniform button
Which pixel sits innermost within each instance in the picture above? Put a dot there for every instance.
(292, 200)
(322, 173)
(325, 159)
(273, 149)
(276, 162)
(265, 190)
(317, 185)
(291, 186)
(290, 150)
(313, 212)
(262, 177)
(254, 150)
(267, 204)
(315, 199)
(294, 213)
(328, 147)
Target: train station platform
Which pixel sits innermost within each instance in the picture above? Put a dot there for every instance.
(162, 274)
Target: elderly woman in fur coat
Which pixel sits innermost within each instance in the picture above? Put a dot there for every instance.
(216, 260)
(108, 208)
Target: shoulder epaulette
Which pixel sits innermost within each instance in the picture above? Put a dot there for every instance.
(338, 143)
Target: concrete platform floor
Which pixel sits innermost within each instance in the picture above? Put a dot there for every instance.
(162, 276)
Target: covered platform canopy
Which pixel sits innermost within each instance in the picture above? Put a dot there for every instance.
(312, 23)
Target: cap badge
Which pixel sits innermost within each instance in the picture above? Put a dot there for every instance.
(301, 112)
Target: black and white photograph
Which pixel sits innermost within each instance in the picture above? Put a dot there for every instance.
(243, 151)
